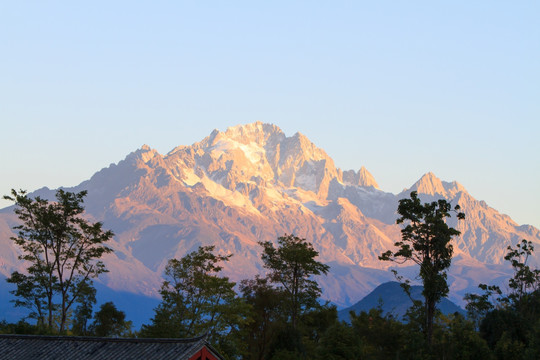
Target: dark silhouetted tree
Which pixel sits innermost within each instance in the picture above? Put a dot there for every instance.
(340, 341)
(425, 240)
(266, 316)
(292, 265)
(196, 300)
(455, 337)
(381, 337)
(62, 250)
(526, 281)
(83, 312)
(110, 322)
(510, 322)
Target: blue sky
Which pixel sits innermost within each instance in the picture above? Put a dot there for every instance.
(402, 88)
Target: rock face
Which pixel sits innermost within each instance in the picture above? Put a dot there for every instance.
(253, 183)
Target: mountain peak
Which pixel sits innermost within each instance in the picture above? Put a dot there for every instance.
(252, 183)
(361, 178)
(366, 179)
(145, 154)
(257, 132)
(430, 184)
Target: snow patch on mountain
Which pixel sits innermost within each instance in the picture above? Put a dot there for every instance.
(252, 183)
(190, 178)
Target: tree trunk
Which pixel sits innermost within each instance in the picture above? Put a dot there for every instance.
(50, 319)
(63, 315)
(430, 314)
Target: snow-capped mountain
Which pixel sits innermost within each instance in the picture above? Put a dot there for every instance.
(253, 183)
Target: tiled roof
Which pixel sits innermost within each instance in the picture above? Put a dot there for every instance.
(33, 347)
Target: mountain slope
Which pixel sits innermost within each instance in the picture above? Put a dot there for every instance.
(253, 183)
(392, 299)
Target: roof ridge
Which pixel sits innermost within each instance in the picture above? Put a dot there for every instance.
(105, 339)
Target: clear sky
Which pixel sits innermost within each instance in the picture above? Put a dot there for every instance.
(401, 87)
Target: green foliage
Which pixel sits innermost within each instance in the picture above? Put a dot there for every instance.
(425, 240)
(61, 248)
(370, 335)
(311, 329)
(284, 318)
(315, 322)
(382, 337)
(525, 281)
(533, 350)
(292, 265)
(509, 322)
(340, 341)
(456, 338)
(164, 323)
(284, 354)
(21, 327)
(110, 322)
(499, 323)
(288, 343)
(523, 286)
(478, 306)
(266, 316)
(509, 348)
(83, 312)
(33, 292)
(195, 301)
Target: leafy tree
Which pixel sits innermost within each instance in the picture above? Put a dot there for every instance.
(83, 312)
(478, 306)
(21, 327)
(533, 350)
(267, 333)
(62, 250)
(508, 322)
(503, 323)
(292, 265)
(313, 325)
(266, 316)
(526, 281)
(381, 337)
(456, 338)
(196, 300)
(340, 341)
(110, 322)
(164, 323)
(524, 286)
(33, 293)
(288, 344)
(509, 348)
(425, 240)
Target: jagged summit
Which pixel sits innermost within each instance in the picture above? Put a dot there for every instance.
(290, 161)
(145, 153)
(257, 132)
(244, 153)
(366, 179)
(361, 178)
(430, 184)
(254, 183)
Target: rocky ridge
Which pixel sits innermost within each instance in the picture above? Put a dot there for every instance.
(253, 183)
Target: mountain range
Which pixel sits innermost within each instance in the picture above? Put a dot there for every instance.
(253, 183)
